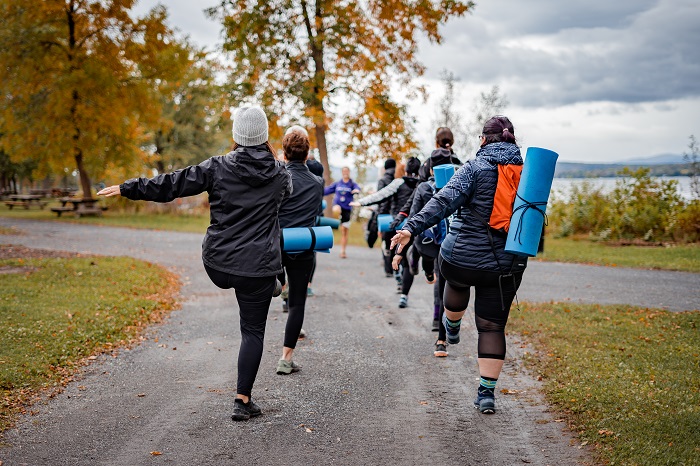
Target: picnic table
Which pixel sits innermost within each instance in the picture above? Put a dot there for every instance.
(26, 201)
(79, 207)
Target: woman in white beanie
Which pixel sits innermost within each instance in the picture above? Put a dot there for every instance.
(241, 249)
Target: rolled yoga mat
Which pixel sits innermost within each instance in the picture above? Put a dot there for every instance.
(324, 204)
(442, 174)
(531, 202)
(319, 239)
(383, 222)
(328, 222)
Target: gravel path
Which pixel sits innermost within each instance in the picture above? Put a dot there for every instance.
(370, 391)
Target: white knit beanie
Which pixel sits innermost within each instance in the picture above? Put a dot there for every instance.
(250, 126)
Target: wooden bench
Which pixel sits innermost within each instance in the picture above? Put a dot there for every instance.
(12, 204)
(60, 210)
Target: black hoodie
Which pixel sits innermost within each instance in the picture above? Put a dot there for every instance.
(246, 188)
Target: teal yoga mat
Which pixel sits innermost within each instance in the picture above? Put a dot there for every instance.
(319, 239)
(442, 174)
(383, 222)
(531, 201)
(328, 222)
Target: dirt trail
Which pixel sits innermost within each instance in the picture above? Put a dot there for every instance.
(370, 391)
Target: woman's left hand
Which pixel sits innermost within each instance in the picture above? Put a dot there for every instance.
(354, 204)
(110, 191)
(401, 238)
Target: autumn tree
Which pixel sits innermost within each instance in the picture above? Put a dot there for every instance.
(449, 114)
(195, 121)
(77, 81)
(325, 59)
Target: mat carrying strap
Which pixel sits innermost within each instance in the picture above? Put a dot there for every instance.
(524, 207)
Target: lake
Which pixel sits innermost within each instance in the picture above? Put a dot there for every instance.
(563, 186)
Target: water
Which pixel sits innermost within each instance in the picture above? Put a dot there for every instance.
(563, 186)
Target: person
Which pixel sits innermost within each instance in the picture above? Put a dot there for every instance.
(316, 168)
(385, 208)
(241, 249)
(397, 192)
(344, 190)
(299, 210)
(428, 248)
(473, 254)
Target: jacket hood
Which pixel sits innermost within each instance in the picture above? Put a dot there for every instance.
(255, 165)
(502, 153)
(411, 182)
(441, 156)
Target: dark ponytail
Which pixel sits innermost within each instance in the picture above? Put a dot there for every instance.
(444, 138)
(499, 129)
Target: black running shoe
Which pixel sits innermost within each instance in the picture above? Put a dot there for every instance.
(440, 350)
(244, 411)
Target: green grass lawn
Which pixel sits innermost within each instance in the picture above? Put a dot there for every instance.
(679, 257)
(626, 378)
(171, 222)
(56, 312)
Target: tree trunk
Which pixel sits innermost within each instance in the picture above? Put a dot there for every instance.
(85, 184)
(323, 152)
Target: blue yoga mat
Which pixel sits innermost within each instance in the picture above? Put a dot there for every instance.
(383, 222)
(442, 174)
(530, 203)
(324, 204)
(302, 239)
(328, 222)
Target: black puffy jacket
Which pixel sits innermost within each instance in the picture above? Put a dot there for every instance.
(403, 194)
(304, 205)
(246, 188)
(473, 186)
(385, 207)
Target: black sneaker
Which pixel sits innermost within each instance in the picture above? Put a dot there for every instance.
(485, 403)
(244, 411)
(436, 325)
(440, 350)
(285, 306)
(403, 301)
(430, 277)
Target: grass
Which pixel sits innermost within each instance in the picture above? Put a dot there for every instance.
(678, 257)
(626, 378)
(59, 311)
(160, 221)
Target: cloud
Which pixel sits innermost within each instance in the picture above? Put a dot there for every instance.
(544, 55)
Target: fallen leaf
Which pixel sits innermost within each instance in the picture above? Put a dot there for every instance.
(156, 453)
(424, 402)
(309, 430)
(506, 391)
(380, 336)
(210, 343)
(606, 432)
(82, 387)
(140, 395)
(92, 358)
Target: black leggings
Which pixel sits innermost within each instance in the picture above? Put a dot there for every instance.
(254, 295)
(387, 252)
(406, 276)
(494, 294)
(298, 268)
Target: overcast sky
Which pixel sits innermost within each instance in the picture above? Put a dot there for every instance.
(594, 80)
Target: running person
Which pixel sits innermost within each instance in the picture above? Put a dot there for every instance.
(241, 249)
(299, 210)
(344, 189)
(473, 255)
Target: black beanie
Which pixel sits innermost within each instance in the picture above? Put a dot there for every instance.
(389, 163)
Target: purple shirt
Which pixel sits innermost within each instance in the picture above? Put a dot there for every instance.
(343, 192)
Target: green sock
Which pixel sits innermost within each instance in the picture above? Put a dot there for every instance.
(453, 323)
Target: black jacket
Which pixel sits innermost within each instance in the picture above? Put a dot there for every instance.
(246, 188)
(385, 207)
(304, 205)
(472, 187)
(403, 195)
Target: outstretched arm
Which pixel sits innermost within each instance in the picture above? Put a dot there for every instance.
(189, 181)
(384, 193)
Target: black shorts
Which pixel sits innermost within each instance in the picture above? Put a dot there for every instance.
(345, 215)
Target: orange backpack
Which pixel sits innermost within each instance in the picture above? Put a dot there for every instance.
(507, 187)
